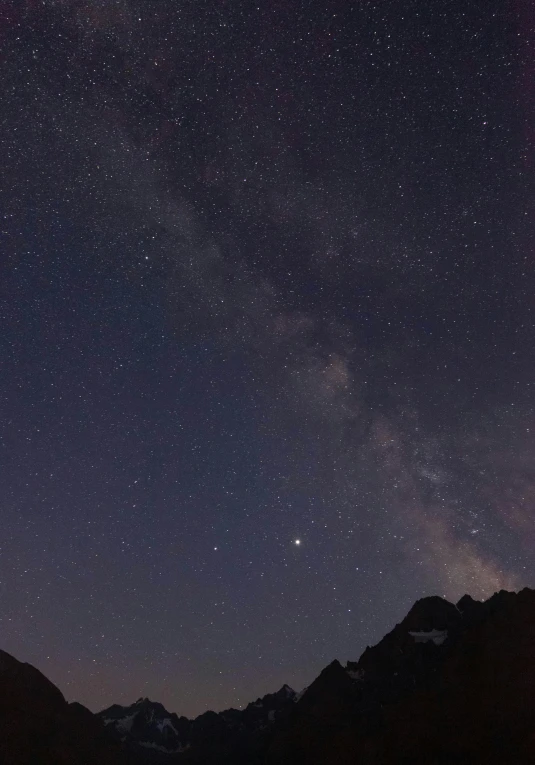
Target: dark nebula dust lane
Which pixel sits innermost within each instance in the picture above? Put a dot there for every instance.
(266, 289)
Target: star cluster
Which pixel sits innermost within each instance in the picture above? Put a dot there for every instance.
(267, 337)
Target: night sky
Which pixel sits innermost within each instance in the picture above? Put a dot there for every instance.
(266, 332)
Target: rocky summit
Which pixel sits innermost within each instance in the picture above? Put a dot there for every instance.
(452, 683)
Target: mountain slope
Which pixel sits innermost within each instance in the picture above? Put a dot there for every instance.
(38, 727)
(450, 684)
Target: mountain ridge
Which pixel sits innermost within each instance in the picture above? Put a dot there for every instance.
(148, 724)
(450, 683)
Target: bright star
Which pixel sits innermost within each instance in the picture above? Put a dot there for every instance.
(297, 542)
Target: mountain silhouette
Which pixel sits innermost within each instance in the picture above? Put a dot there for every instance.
(452, 683)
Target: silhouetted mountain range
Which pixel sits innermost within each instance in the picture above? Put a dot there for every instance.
(147, 728)
(450, 684)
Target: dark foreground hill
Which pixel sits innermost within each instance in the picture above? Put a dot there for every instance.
(450, 684)
(38, 727)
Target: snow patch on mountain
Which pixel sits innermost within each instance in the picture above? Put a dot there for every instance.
(166, 723)
(160, 748)
(436, 636)
(123, 725)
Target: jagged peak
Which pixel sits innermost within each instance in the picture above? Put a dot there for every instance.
(334, 663)
(286, 691)
(466, 603)
(430, 613)
(330, 673)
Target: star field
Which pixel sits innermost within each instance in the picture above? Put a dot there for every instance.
(266, 298)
